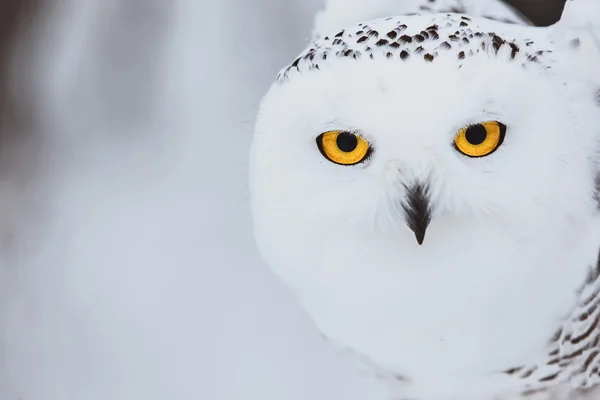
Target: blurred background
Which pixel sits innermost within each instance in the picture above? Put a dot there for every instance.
(127, 263)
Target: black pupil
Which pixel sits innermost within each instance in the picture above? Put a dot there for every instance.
(476, 134)
(346, 142)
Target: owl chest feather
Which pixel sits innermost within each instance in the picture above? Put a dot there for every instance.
(497, 316)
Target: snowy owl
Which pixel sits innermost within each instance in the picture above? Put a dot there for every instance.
(427, 184)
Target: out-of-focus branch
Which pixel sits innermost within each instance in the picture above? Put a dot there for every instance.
(16, 18)
(540, 12)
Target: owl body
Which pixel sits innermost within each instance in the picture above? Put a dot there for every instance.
(453, 270)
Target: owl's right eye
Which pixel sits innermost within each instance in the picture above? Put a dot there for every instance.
(480, 140)
(343, 147)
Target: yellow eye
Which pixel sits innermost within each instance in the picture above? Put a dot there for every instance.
(342, 147)
(481, 139)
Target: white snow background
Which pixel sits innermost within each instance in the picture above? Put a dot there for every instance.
(133, 274)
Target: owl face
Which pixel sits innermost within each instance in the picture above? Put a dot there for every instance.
(418, 148)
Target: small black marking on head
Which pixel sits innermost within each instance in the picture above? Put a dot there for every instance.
(497, 42)
(549, 377)
(553, 361)
(585, 335)
(513, 371)
(575, 43)
(532, 392)
(514, 50)
(528, 373)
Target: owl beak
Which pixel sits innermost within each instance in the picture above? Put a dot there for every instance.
(417, 209)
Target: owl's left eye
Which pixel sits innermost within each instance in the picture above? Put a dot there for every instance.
(479, 140)
(343, 147)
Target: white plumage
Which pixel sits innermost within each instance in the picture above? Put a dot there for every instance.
(479, 139)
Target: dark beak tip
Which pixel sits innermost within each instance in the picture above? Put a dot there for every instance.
(420, 238)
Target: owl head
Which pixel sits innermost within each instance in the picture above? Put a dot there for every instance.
(420, 128)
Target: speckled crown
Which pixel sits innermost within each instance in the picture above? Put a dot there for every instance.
(392, 38)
